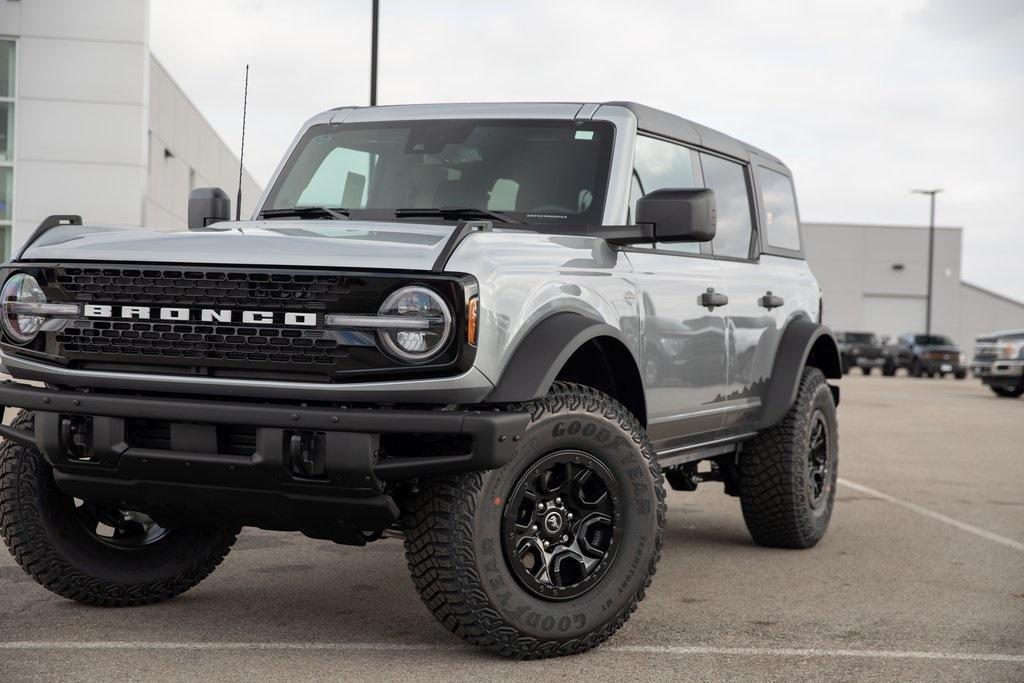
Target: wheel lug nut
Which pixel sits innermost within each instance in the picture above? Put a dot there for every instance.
(546, 544)
(558, 501)
(565, 538)
(533, 528)
(540, 506)
(569, 515)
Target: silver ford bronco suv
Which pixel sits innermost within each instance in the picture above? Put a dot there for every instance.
(493, 330)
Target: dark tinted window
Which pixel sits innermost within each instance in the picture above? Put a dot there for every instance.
(540, 171)
(729, 181)
(660, 165)
(933, 340)
(781, 223)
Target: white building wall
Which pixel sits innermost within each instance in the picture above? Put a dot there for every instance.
(81, 109)
(874, 278)
(94, 114)
(185, 153)
(983, 311)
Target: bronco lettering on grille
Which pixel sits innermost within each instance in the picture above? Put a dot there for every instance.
(207, 315)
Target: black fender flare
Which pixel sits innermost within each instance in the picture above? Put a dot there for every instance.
(804, 342)
(544, 350)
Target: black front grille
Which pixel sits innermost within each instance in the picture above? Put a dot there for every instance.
(300, 292)
(200, 343)
(125, 341)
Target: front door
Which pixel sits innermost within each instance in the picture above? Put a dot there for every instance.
(684, 351)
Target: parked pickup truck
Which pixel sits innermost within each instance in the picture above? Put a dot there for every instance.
(493, 330)
(999, 362)
(860, 350)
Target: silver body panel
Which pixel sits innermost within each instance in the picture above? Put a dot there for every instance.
(705, 372)
(306, 243)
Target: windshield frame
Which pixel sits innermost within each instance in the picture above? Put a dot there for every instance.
(603, 190)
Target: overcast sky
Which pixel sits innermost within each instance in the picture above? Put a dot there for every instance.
(864, 99)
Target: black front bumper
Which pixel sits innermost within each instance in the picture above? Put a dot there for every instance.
(88, 439)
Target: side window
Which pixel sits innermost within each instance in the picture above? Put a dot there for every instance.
(781, 225)
(659, 165)
(729, 181)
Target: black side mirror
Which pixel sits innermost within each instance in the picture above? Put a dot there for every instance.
(207, 205)
(679, 215)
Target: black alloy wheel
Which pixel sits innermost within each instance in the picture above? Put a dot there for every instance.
(110, 524)
(559, 525)
(818, 461)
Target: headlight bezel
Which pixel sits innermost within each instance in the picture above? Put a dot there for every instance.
(389, 311)
(13, 292)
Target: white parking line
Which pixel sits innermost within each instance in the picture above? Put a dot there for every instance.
(963, 526)
(682, 650)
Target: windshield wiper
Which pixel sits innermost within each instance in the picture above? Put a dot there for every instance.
(455, 212)
(307, 211)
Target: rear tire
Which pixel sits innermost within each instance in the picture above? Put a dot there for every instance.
(788, 472)
(474, 541)
(865, 371)
(888, 369)
(1009, 392)
(915, 369)
(56, 541)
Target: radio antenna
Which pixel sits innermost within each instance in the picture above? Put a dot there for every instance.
(241, 153)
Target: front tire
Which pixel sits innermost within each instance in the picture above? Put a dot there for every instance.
(865, 371)
(94, 553)
(1009, 392)
(550, 554)
(788, 472)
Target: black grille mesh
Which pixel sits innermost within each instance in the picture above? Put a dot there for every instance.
(298, 292)
(270, 347)
(200, 342)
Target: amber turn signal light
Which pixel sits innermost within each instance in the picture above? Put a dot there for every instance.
(473, 311)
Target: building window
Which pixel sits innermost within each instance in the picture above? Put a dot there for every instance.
(7, 72)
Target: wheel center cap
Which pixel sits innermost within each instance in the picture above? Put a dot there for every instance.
(553, 521)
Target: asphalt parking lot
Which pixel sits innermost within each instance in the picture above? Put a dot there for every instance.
(921, 576)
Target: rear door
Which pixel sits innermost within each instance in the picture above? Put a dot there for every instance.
(684, 354)
(752, 321)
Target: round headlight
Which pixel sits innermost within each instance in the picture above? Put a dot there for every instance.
(421, 324)
(21, 288)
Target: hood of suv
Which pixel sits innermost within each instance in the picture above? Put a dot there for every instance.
(310, 243)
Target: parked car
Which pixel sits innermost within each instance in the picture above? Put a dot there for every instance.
(999, 362)
(926, 354)
(491, 329)
(860, 350)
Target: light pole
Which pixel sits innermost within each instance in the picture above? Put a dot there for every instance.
(931, 257)
(373, 54)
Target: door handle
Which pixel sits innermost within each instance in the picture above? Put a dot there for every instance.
(712, 299)
(770, 301)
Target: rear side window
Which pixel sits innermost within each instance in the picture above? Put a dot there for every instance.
(781, 224)
(729, 181)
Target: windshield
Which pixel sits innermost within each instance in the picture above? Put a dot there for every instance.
(859, 338)
(532, 171)
(932, 340)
